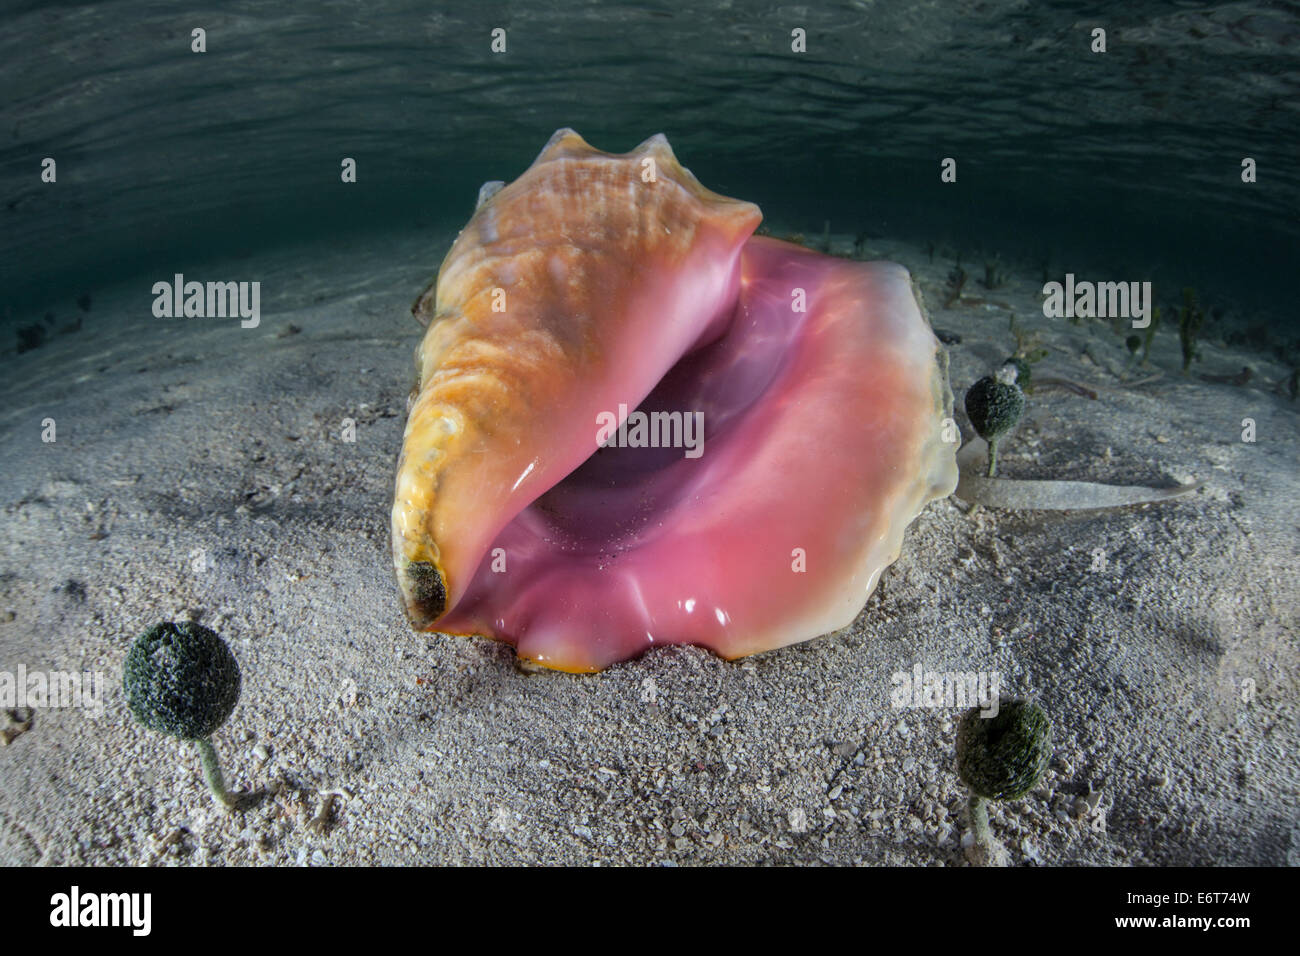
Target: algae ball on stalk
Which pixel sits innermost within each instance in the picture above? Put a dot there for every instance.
(1001, 757)
(994, 405)
(182, 680)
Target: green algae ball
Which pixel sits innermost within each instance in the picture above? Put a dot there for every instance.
(994, 406)
(181, 679)
(1004, 756)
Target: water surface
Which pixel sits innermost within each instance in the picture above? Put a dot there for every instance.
(1127, 161)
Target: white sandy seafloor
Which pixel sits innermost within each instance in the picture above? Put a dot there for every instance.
(199, 472)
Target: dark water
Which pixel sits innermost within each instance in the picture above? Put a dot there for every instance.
(1128, 161)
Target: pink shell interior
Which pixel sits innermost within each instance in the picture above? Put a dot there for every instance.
(818, 426)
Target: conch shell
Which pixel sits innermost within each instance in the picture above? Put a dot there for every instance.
(599, 284)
